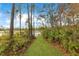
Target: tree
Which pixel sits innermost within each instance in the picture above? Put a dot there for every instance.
(28, 21)
(60, 11)
(31, 20)
(73, 11)
(12, 21)
(47, 12)
(30, 8)
(11, 31)
(20, 17)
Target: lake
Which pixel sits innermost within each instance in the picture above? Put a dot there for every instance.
(36, 33)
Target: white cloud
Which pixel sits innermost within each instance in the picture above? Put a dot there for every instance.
(36, 22)
(16, 21)
(23, 20)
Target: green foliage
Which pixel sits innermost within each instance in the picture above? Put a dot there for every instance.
(46, 33)
(67, 36)
(18, 41)
(4, 42)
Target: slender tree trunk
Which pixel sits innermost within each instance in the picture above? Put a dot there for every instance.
(12, 21)
(31, 21)
(51, 16)
(30, 9)
(60, 20)
(73, 20)
(20, 18)
(28, 21)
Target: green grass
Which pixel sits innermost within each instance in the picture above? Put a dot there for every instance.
(41, 48)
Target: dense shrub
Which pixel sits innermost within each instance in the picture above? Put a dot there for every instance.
(18, 41)
(4, 40)
(67, 36)
(46, 33)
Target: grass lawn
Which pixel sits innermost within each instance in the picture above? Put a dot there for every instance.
(41, 48)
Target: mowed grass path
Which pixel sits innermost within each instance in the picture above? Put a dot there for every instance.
(41, 48)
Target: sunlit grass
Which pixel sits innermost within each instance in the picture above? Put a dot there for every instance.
(41, 48)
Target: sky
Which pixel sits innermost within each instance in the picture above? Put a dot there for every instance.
(5, 10)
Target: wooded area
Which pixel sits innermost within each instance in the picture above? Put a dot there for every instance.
(59, 27)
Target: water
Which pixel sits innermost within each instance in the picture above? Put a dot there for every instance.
(36, 33)
(1, 33)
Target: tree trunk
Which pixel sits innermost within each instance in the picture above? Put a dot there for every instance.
(28, 22)
(60, 20)
(31, 21)
(73, 20)
(12, 21)
(20, 18)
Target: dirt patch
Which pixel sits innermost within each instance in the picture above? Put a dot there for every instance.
(60, 47)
